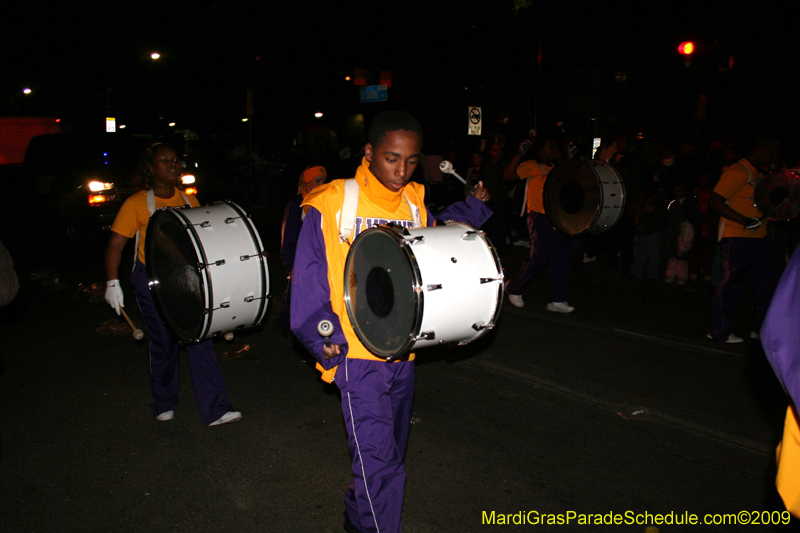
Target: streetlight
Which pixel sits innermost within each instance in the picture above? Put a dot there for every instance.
(155, 55)
(318, 114)
(26, 90)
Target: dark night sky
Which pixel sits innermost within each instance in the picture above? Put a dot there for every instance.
(72, 54)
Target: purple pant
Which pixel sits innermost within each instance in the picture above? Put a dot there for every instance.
(743, 259)
(376, 402)
(548, 247)
(209, 387)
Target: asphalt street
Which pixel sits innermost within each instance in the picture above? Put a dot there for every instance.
(620, 407)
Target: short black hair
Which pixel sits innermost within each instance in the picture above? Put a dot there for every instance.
(392, 121)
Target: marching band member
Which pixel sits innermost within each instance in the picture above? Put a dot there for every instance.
(376, 395)
(312, 177)
(158, 175)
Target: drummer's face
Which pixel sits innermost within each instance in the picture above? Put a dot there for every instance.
(166, 167)
(395, 158)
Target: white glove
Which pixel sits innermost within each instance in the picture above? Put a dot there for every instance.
(524, 147)
(114, 295)
(753, 224)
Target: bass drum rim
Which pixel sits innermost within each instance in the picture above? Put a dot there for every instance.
(202, 327)
(416, 285)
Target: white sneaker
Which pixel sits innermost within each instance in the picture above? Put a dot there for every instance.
(516, 300)
(560, 307)
(522, 243)
(230, 416)
(755, 335)
(732, 339)
(166, 415)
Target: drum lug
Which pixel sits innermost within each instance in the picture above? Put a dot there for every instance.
(247, 257)
(231, 220)
(434, 287)
(215, 263)
(472, 235)
(419, 239)
(489, 280)
(478, 327)
(426, 336)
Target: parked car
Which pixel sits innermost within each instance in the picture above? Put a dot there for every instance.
(78, 182)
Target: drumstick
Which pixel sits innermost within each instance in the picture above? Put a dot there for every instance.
(137, 333)
(325, 328)
(447, 168)
(783, 203)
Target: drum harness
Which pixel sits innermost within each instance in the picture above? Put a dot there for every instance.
(346, 217)
(151, 207)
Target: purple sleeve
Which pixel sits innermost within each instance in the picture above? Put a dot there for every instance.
(471, 211)
(311, 294)
(292, 222)
(780, 334)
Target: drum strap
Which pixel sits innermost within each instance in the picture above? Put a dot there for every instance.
(347, 216)
(151, 207)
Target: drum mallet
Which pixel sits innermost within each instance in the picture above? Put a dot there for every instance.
(137, 333)
(447, 168)
(325, 328)
(783, 203)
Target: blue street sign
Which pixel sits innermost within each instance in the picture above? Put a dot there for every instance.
(374, 93)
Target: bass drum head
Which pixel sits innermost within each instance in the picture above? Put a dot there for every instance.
(175, 283)
(380, 294)
(571, 197)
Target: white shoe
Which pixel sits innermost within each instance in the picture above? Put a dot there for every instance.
(560, 307)
(166, 415)
(230, 416)
(516, 300)
(522, 243)
(732, 339)
(755, 335)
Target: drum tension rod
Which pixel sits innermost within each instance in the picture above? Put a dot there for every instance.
(477, 327)
(249, 299)
(201, 266)
(426, 336)
(471, 235)
(246, 257)
(489, 280)
(231, 220)
(419, 239)
(435, 287)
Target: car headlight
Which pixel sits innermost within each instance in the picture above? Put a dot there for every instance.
(97, 186)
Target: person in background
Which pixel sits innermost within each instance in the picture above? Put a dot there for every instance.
(159, 177)
(549, 247)
(312, 177)
(744, 246)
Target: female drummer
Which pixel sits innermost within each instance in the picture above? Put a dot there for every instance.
(312, 177)
(159, 176)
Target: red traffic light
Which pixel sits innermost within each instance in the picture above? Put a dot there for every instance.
(686, 48)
